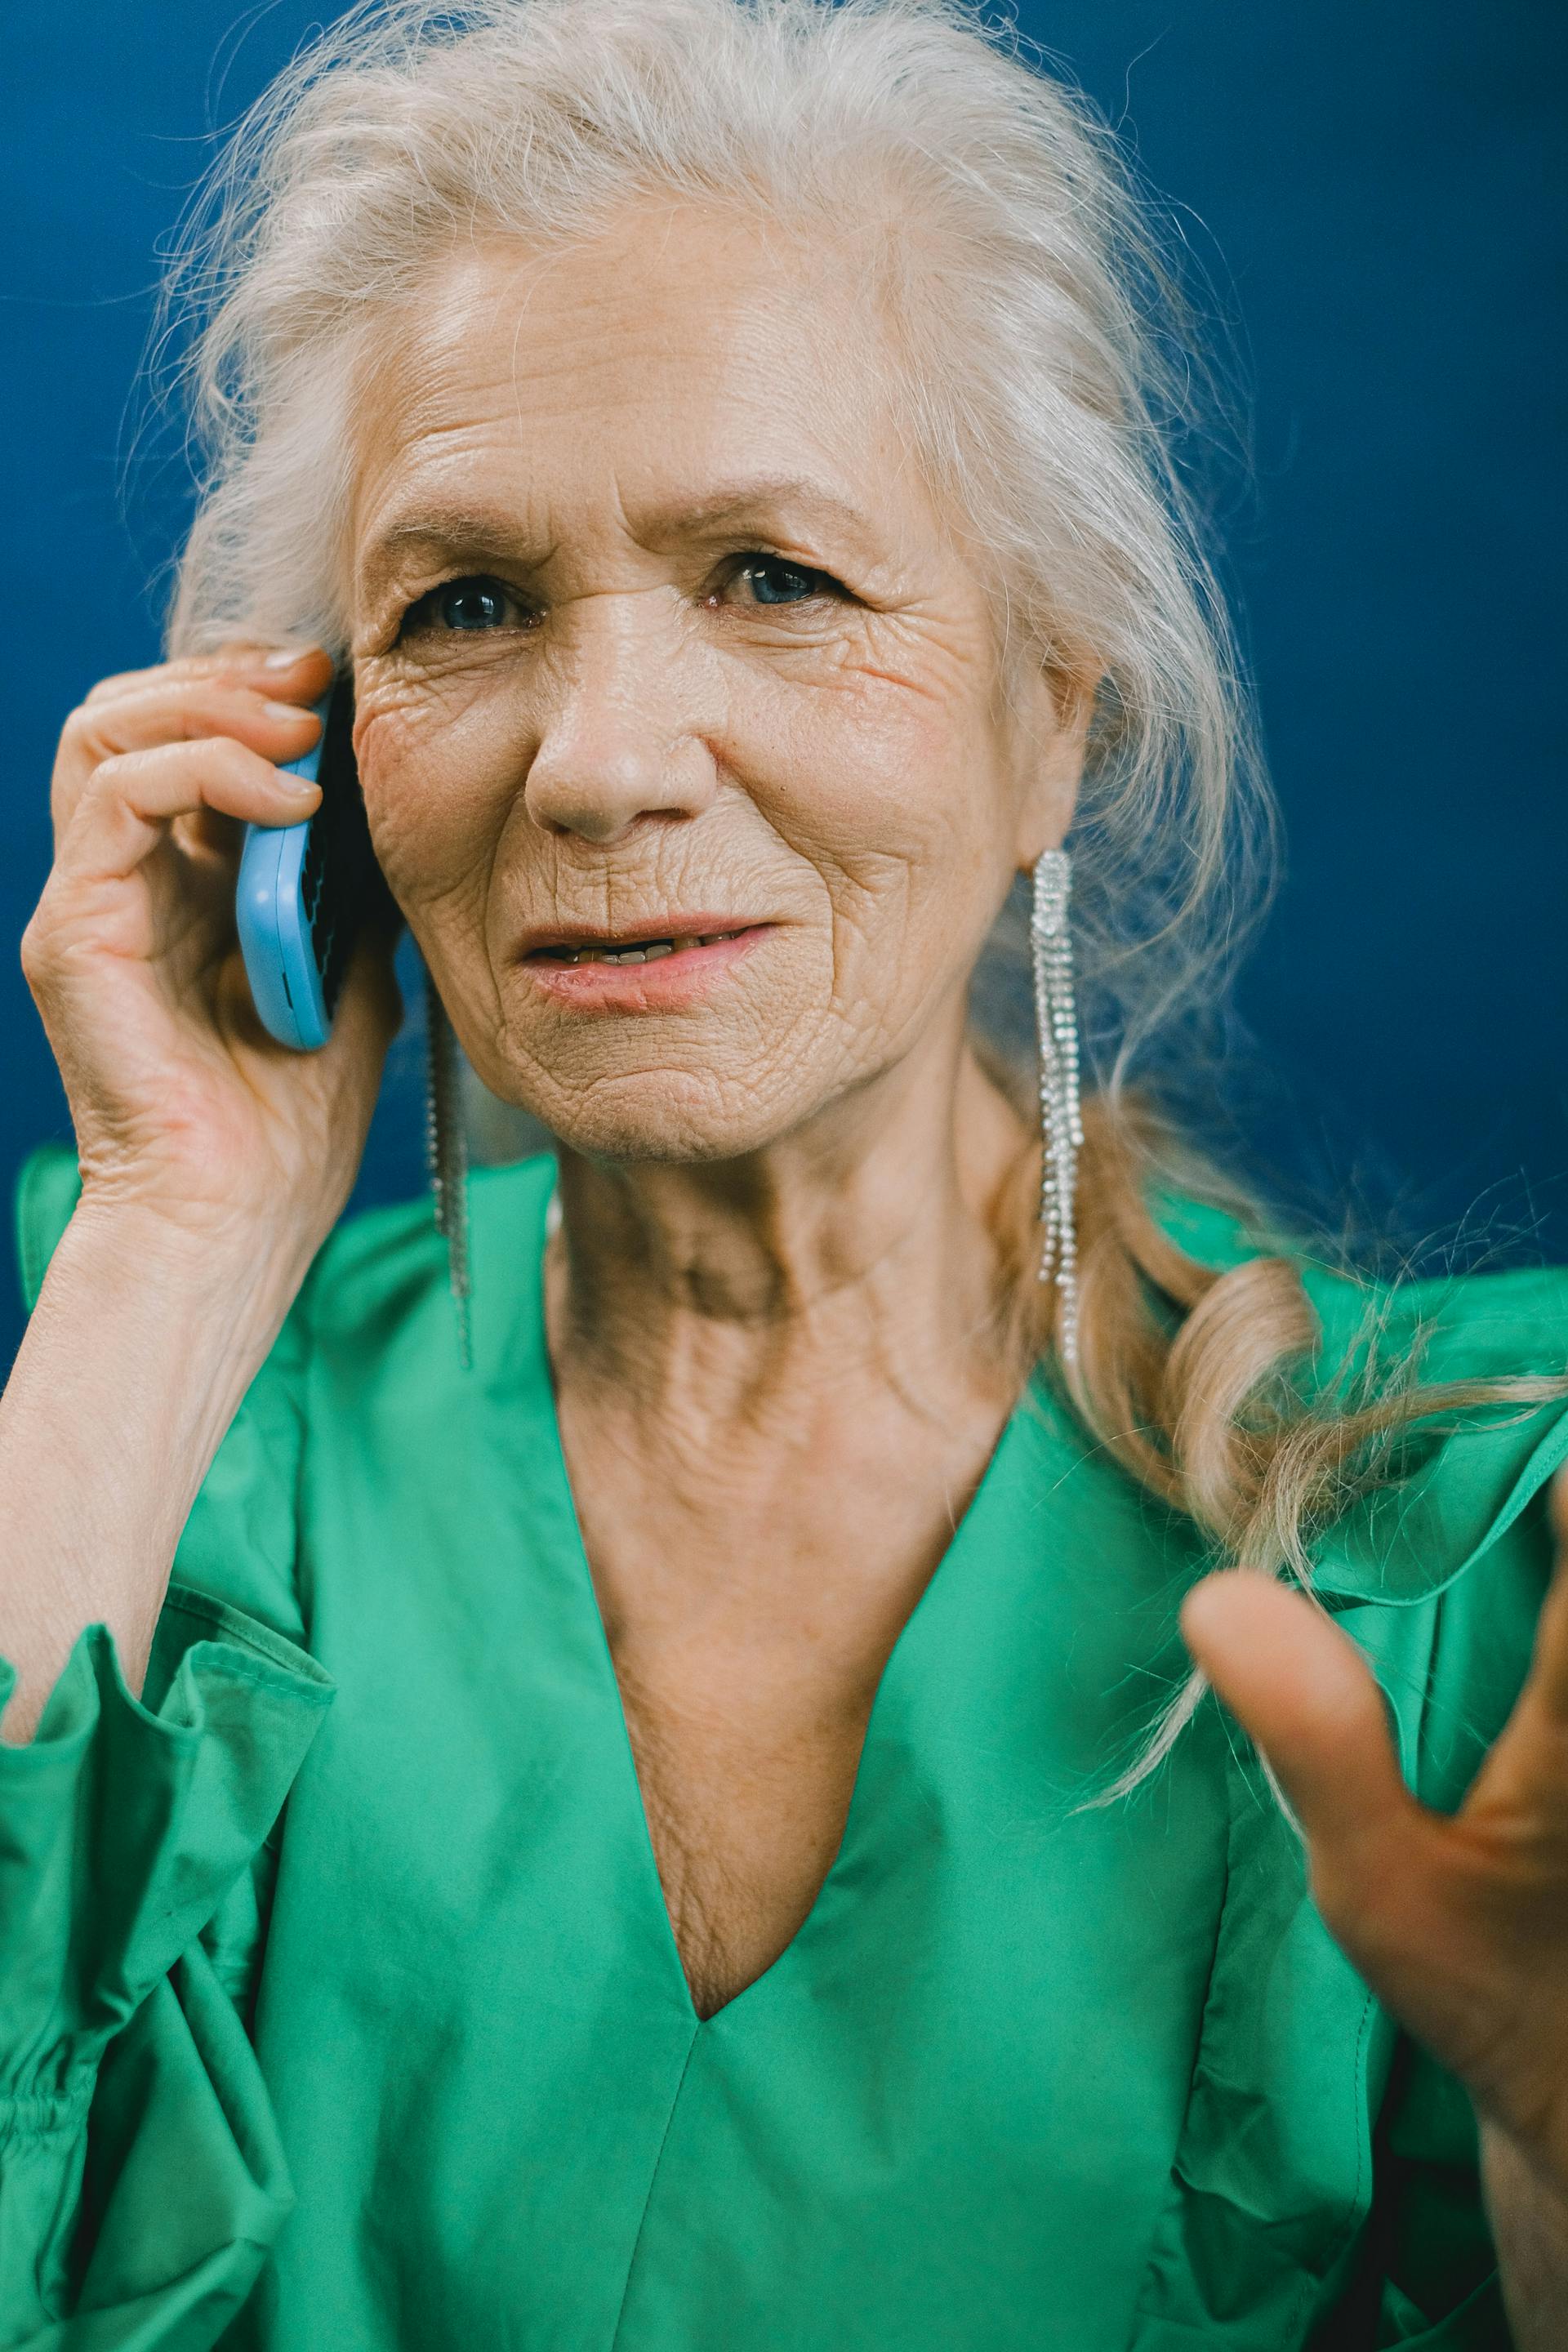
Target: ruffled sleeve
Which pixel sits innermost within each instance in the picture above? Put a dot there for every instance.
(1440, 1575)
(141, 2176)
(1326, 2185)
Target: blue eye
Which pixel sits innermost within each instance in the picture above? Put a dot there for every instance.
(472, 604)
(775, 582)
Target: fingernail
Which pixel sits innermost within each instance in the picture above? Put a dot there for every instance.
(286, 657)
(286, 710)
(290, 783)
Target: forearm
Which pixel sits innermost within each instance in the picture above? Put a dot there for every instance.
(1529, 2218)
(137, 1356)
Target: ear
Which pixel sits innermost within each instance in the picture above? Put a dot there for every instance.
(1052, 704)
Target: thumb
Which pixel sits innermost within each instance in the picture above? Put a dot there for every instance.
(1307, 1696)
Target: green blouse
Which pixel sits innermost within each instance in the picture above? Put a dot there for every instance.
(341, 2006)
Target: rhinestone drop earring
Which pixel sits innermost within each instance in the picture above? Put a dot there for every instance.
(1061, 1122)
(447, 1153)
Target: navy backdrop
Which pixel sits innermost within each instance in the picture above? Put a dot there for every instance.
(1375, 188)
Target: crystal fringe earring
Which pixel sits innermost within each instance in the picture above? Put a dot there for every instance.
(447, 1151)
(1061, 1123)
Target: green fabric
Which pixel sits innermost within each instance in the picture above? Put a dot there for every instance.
(410, 2063)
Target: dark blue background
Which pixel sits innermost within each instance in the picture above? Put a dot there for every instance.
(1375, 190)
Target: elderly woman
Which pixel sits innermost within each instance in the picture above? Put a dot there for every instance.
(679, 1818)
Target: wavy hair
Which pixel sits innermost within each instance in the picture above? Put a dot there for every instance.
(1037, 342)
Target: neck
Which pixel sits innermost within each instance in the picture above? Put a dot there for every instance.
(871, 1243)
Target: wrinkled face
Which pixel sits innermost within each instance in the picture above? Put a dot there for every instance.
(679, 723)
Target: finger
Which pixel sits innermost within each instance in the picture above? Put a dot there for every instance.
(243, 659)
(132, 799)
(1525, 1775)
(1548, 1681)
(1545, 1692)
(175, 712)
(1307, 1696)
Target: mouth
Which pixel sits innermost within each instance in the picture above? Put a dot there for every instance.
(633, 949)
(672, 970)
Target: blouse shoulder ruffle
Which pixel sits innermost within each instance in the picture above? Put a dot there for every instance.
(1460, 1479)
(1326, 2165)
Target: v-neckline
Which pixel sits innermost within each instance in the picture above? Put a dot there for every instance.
(915, 1630)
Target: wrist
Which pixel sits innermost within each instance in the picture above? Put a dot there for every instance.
(138, 1355)
(191, 1257)
(167, 1323)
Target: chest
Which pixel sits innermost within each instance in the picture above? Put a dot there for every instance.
(752, 1587)
(747, 1659)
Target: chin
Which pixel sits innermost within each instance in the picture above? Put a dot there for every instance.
(660, 1118)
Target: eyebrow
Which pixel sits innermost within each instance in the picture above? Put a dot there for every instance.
(455, 526)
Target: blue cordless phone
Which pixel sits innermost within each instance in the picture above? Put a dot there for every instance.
(305, 890)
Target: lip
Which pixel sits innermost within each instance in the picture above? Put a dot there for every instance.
(665, 985)
(676, 925)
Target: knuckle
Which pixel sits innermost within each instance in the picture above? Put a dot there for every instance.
(77, 732)
(111, 786)
(227, 761)
(38, 945)
(109, 778)
(150, 678)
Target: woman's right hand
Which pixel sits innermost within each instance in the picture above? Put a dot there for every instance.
(185, 1109)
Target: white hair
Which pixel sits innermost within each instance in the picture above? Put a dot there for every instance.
(1030, 345)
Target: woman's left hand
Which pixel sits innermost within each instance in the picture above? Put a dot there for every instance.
(1459, 1923)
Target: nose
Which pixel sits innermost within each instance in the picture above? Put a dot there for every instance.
(616, 744)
